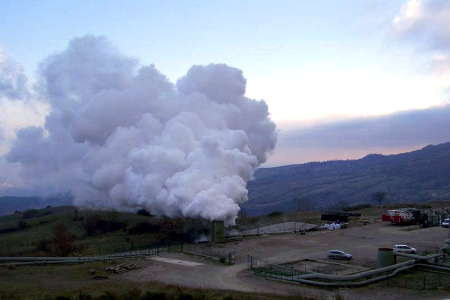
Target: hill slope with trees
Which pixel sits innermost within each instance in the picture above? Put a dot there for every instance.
(421, 175)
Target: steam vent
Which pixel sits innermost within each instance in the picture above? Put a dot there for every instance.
(217, 231)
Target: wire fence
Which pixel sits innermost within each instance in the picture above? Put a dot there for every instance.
(279, 272)
(420, 280)
(214, 253)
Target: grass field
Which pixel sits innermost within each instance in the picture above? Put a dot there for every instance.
(75, 282)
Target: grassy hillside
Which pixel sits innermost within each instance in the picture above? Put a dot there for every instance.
(72, 231)
(422, 175)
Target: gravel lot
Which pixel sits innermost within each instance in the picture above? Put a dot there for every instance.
(361, 241)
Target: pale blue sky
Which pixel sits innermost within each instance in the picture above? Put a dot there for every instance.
(311, 61)
(257, 36)
(174, 35)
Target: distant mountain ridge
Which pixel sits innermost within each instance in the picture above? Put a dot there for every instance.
(415, 176)
(10, 204)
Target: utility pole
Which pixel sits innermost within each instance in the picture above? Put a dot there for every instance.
(295, 200)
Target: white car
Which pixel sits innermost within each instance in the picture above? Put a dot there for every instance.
(404, 249)
(445, 223)
(339, 254)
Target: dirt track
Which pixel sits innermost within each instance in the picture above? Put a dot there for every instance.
(362, 242)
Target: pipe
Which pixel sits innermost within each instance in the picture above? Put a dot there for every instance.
(358, 275)
(347, 278)
(344, 280)
(420, 257)
(433, 266)
(358, 283)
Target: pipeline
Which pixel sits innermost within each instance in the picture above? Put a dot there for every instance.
(358, 275)
(419, 257)
(346, 280)
(435, 266)
(71, 260)
(354, 284)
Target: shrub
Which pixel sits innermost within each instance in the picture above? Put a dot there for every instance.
(8, 229)
(132, 294)
(184, 296)
(109, 296)
(95, 224)
(275, 214)
(143, 212)
(43, 245)
(11, 267)
(63, 298)
(144, 227)
(84, 296)
(22, 224)
(29, 214)
(153, 296)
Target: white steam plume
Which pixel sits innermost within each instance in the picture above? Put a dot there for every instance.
(124, 139)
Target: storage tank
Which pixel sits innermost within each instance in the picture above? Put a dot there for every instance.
(385, 257)
(217, 231)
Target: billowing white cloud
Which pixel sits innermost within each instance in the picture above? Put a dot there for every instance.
(122, 136)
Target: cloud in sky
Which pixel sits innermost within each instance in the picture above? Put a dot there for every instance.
(426, 26)
(13, 82)
(17, 108)
(356, 137)
(426, 23)
(119, 135)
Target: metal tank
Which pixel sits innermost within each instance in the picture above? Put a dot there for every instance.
(385, 257)
(217, 231)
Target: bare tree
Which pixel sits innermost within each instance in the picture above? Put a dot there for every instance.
(379, 197)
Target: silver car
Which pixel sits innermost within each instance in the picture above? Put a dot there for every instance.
(339, 254)
(404, 249)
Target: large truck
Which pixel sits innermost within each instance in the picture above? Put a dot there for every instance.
(404, 216)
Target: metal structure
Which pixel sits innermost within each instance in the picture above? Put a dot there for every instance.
(217, 231)
(385, 257)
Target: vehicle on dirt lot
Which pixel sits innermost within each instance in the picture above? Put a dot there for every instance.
(404, 249)
(339, 254)
(445, 223)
